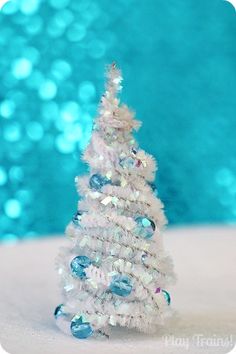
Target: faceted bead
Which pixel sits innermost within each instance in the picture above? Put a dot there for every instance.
(97, 181)
(77, 218)
(127, 162)
(59, 311)
(167, 296)
(121, 285)
(78, 265)
(62, 319)
(145, 227)
(154, 188)
(80, 329)
(157, 291)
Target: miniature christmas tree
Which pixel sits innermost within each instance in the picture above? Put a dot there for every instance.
(115, 271)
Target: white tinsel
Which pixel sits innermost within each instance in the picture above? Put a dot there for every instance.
(106, 230)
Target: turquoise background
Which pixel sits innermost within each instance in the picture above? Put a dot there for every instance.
(179, 65)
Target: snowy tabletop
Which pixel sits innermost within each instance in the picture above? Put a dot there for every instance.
(204, 299)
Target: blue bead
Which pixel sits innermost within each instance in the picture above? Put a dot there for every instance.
(145, 227)
(78, 265)
(154, 188)
(167, 296)
(59, 311)
(80, 329)
(121, 285)
(77, 218)
(97, 181)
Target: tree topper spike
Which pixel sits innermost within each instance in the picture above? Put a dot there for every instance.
(114, 77)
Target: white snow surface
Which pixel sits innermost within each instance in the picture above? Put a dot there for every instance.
(204, 299)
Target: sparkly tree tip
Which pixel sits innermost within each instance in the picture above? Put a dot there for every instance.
(114, 77)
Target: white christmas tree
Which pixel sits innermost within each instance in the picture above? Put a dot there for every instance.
(115, 271)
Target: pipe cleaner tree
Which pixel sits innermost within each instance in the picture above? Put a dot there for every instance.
(115, 270)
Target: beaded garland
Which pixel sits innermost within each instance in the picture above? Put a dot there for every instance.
(121, 285)
(112, 279)
(78, 265)
(97, 181)
(80, 328)
(145, 227)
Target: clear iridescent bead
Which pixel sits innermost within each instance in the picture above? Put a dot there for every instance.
(127, 162)
(80, 328)
(121, 285)
(78, 265)
(145, 227)
(97, 181)
(76, 219)
(143, 258)
(62, 319)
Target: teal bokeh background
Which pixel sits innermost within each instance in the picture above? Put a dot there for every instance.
(178, 61)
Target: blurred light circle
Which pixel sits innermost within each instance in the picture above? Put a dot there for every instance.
(54, 30)
(24, 195)
(16, 174)
(10, 7)
(3, 176)
(21, 68)
(7, 108)
(29, 7)
(225, 177)
(34, 25)
(87, 91)
(66, 16)
(59, 4)
(12, 132)
(61, 69)
(64, 145)
(34, 131)
(32, 54)
(12, 208)
(59, 22)
(69, 111)
(63, 18)
(47, 90)
(76, 32)
(93, 12)
(74, 132)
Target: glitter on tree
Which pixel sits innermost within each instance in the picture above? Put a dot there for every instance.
(115, 262)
